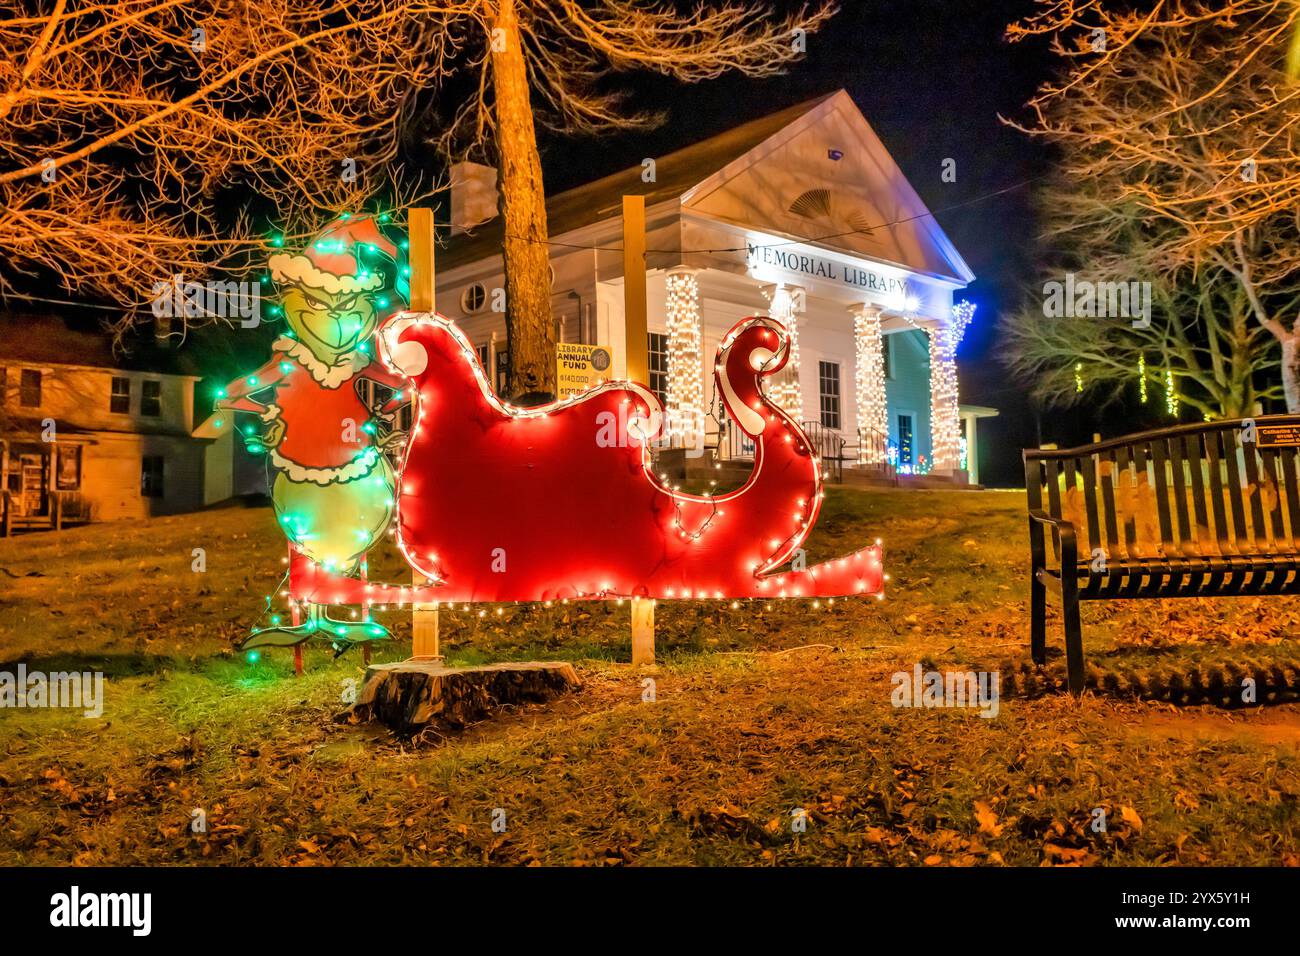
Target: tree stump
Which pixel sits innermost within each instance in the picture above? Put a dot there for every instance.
(411, 695)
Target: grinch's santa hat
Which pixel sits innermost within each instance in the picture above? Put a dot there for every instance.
(332, 261)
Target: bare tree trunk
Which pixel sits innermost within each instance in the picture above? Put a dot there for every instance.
(530, 330)
(1291, 371)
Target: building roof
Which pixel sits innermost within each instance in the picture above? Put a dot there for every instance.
(675, 174)
(781, 175)
(48, 340)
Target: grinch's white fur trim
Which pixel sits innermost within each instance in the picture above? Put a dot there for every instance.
(300, 269)
(331, 376)
(359, 467)
(272, 413)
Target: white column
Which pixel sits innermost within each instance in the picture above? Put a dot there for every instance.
(685, 363)
(869, 384)
(945, 423)
(784, 303)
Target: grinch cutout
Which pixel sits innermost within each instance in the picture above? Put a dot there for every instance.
(334, 494)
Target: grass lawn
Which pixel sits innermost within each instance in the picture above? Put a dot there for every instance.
(758, 711)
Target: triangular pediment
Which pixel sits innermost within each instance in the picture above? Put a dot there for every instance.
(792, 184)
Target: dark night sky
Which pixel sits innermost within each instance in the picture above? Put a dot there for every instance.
(931, 76)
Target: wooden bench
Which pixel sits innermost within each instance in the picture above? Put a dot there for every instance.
(1189, 511)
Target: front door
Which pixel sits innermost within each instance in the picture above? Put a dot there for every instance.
(30, 499)
(906, 446)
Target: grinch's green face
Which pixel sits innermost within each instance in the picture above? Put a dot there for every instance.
(330, 325)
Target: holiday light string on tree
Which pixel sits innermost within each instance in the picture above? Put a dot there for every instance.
(1142, 378)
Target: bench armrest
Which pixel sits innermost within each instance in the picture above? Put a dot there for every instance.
(1062, 531)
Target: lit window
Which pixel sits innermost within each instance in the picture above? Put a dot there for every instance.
(657, 354)
(151, 398)
(828, 386)
(119, 402)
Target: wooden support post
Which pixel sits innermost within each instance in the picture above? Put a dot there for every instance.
(295, 618)
(636, 341)
(643, 631)
(424, 619)
(365, 577)
(420, 236)
(634, 302)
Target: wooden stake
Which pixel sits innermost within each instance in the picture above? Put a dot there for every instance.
(636, 342)
(295, 618)
(421, 239)
(365, 648)
(424, 620)
(634, 303)
(643, 631)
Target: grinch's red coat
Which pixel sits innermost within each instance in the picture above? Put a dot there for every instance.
(324, 438)
(504, 504)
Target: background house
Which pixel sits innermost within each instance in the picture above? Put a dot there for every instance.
(87, 435)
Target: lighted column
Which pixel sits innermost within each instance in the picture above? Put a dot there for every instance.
(945, 423)
(685, 366)
(869, 382)
(784, 302)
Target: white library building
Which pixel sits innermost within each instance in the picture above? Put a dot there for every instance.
(802, 215)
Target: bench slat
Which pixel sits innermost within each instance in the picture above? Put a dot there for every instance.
(1157, 477)
(1123, 457)
(1095, 540)
(1287, 469)
(1053, 473)
(1186, 532)
(1228, 449)
(1258, 529)
(1108, 478)
(1222, 530)
(1194, 455)
(1281, 541)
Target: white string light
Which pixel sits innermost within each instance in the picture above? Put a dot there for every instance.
(869, 378)
(685, 364)
(786, 391)
(945, 419)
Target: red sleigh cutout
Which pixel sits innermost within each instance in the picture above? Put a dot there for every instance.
(499, 503)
